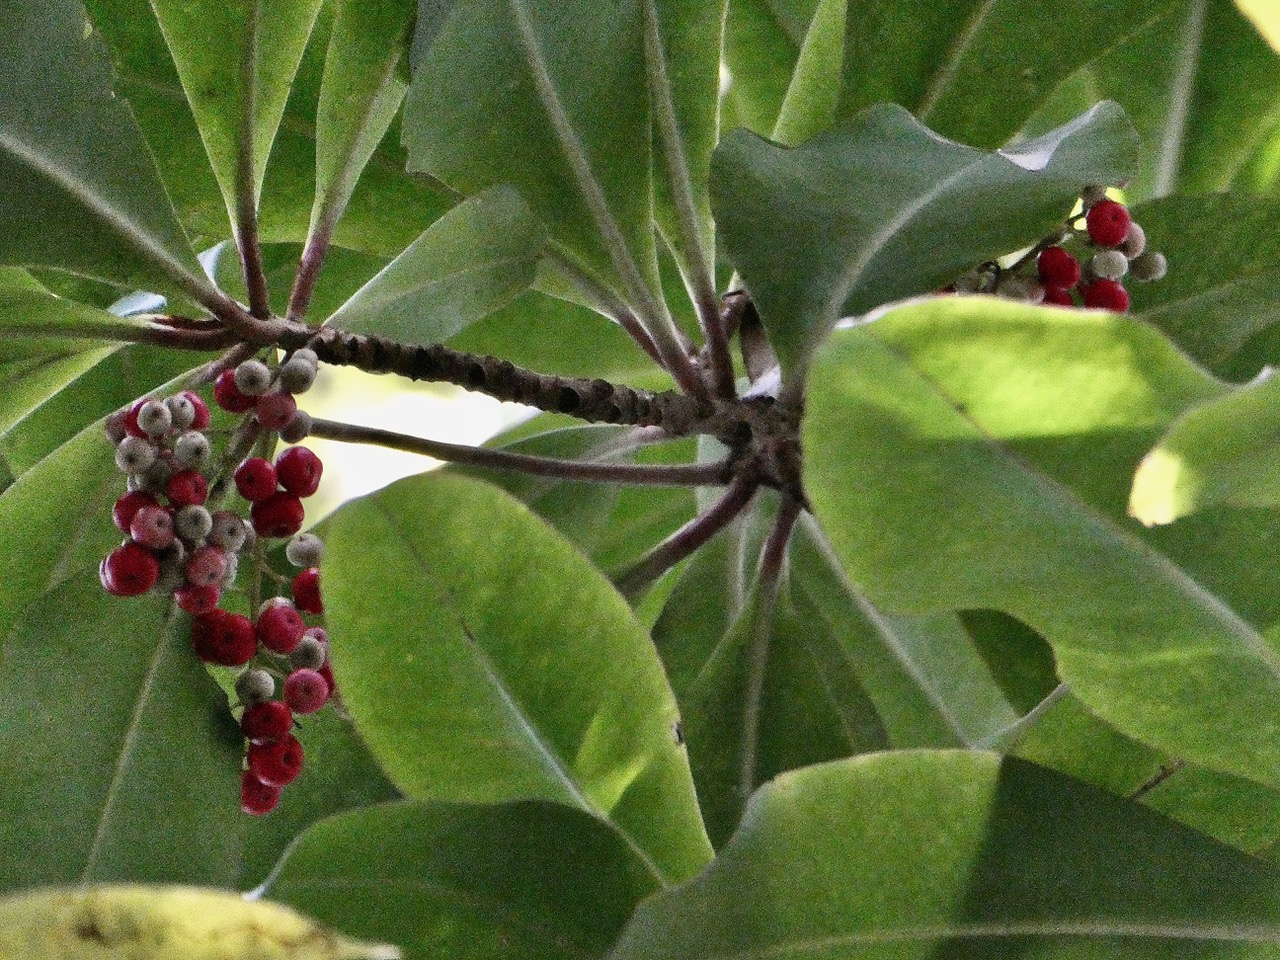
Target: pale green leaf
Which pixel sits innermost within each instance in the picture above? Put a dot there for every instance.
(812, 97)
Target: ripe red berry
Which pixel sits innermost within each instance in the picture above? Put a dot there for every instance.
(129, 570)
(256, 479)
(267, 721)
(275, 410)
(127, 507)
(306, 691)
(280, 627)
(152, 526)
(202, 417)
(206, 566)
(1108, 223)
(306, 591)
(187, 487)
(228, 396)
(327, 672)
(280, 515)
(195, 599)
(276, 763)
(1106, 295)
(1057, 268)
(1058, 297)
(131, 420)
(257, 798)
(223, 638)
(299, 470)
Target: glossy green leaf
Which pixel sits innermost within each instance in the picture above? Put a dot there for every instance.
(80, 189)
(814, 92)
(520, 880)
(975, 69)
(523, 676)
(32, 381)
(517, 92)
(879, 208)
(934, 400)
(236, 60)
(472, 261)
(47, 324)
(920, 854)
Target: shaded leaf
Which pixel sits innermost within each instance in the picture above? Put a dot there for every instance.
(762, 43)
(814, 92)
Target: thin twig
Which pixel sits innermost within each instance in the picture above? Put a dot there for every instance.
(1164, 773)
(304, 280)
(679, 475)
(687, 539)
(247, 240)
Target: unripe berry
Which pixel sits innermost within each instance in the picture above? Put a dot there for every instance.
(264, 722)
(1109, 265)
(1094, 193)
(131, 425)
(196, 600)
(156, 477)
(135, 455)
(276, 763)
(182, 412)
(297, 374)
(206, 566)
(299, 470)
(306, 591)
(306, 355)
(127, 507)
(280, 628)
(257, 798)
(299, 428)
(253, 378)
(233, 567)
(280, 515)
(1135, 241)
(228, 396)
(1057, 268)
(152, 526)
(1149, 266)
(193, 523)
(227, 531)
(154, 418)
(187, 487)
(129, 570)
(305, 550)
(1058, 297)
(255, 686)
(114, 427)
(224, 638)
(306, 691)
(1106, 295)
(275, 410)
(1107, 223)
(309, 654)
(256, 479)
(1022, 289)
(199, 410)
(191, 449)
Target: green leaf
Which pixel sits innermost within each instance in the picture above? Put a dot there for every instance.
(236, 60)
(973, 70)
(1265, 17)
(524, 676)
(929, 414)
(761, 46)
(520, 880)
(955, 856)
(879, 208)
(516, 92)
(80, 189)
(810, 104)
(46, 324)
(475, 259)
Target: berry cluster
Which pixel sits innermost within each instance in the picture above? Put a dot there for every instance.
(1108, 245)
(178, 546)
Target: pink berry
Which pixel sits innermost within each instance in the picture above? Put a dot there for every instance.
(223, 638)
(152, 526)
(280, 515)
(1106, 295)
(306, 691)
(1058, 297)
(276, 763)
(256, 479)
(275, 410)
(196, 600)
(306, 591)
(280, 627)
(1107, 223)
(267, 721)
(206, 566)
(327, 672)
(1057, 268)
(129, 570)
(299, 470)
(127, 507)
(187, 487)
(131, 420)
(256, 797)
(228, 396)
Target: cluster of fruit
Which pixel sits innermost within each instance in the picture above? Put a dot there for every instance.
(178, 546)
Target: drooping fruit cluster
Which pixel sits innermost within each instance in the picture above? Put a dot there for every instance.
(1082, 265)
(179, 545)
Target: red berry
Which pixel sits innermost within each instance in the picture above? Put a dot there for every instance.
(276, 763)
(228, 396)
(129, 570)
(267, 721)
(202, 417)
(256, 797)
(306, 691)
(280, 515)
(275, 410)
(306, 591)
(299, 470)
(1107, 295)
(152, 526)
(327, 672)
(1058, 296)
(131, 420)
(256, 479)
(280, 627)
(1107, 223)
(223, 638)
(195, 599)
(1058, 268)
(127, 507)
(206, 566)
(187, 487)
